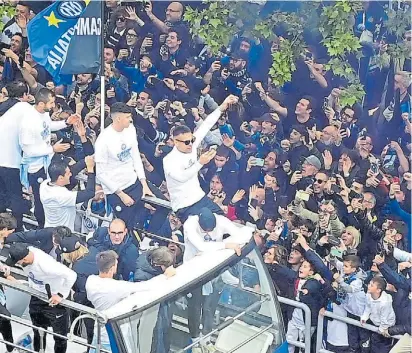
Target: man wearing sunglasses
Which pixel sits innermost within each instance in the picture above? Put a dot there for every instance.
(182, 166)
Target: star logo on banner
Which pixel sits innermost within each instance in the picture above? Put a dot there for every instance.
(53, 20)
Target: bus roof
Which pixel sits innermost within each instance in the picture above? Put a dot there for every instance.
(189, 272)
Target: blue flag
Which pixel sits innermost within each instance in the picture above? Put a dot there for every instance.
(65, 38)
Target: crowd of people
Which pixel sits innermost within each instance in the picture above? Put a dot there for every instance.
(326, 187)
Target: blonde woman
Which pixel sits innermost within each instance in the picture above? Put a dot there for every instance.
(83, 262)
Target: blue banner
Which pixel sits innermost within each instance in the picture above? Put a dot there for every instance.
(65, 37)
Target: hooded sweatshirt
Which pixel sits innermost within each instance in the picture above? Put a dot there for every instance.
(379, 311)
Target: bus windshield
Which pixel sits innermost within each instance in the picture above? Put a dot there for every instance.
(233, 309)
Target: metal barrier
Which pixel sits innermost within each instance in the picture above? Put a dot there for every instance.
(319, 336)
(308, 323)
(90, 312)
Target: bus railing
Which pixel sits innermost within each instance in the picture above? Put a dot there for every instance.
(348, 321)
(87, 313)
(308, 323)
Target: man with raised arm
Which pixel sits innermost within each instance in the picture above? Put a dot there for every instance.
(181, 166)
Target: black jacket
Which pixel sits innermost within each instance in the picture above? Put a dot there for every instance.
(84, 268)
(41, 238)
(401, 300)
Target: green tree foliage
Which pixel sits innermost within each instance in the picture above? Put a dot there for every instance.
(397, 23)
(6, 10)
(219, 21)
(336, 27)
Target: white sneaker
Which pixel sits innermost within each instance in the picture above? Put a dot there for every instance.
(197, 349)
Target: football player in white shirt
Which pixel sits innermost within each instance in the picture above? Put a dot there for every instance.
(182, 165)
(120, 171)
(59, 203)
(10, 157)
(34, 138)
(46, 275)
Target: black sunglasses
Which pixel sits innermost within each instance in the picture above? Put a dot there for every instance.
(188, 142)
(121, 19)
(320, 181)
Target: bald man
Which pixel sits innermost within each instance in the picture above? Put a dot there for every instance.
(116, 237)
(174, 14)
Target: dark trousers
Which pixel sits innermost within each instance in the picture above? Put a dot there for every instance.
(11, 194)
(184, 213)
(44, 316)
(358, 337)
(134, 215)
(380, 344)
(5, 326)
(202, 308)
(35, 179)
(336, 349)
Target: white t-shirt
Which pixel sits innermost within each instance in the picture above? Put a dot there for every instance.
(46, 270)
(10, 156)
(103, 293)
(59, 205)
(181, 169)
(34, 136)
(118, 162)
(194, 236)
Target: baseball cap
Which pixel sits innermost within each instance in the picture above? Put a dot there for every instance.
(313, 160)
(238, 55)
(270, 117)
(194, 60)
(58, 157)
(17, 252)
(207, 219)
(69, 244)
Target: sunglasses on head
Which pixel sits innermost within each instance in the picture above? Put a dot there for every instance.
(188, 142)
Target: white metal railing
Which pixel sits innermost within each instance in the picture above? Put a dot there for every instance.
(87, 312)
(308, 323)
(348, 321)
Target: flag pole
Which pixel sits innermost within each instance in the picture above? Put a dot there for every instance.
(102, 78)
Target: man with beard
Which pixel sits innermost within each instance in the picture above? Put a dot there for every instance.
(329, 141)
(298, 139)
(141, 114)
(85, 85)
(51, 278)
(236, 76)
(190, 72)
(34, 140)
(319, 192)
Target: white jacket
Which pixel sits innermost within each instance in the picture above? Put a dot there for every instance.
(380, 311)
